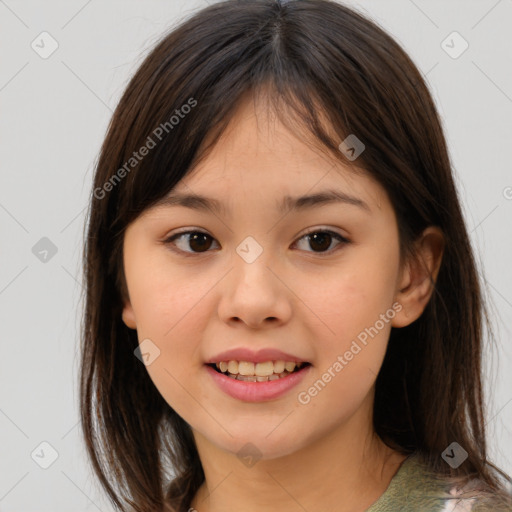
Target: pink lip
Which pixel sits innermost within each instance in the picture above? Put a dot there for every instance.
(257, 391)
(245, 354)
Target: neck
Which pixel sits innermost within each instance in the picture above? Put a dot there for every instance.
(346, 470)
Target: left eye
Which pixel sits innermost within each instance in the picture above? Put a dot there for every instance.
(201, 242)
(323, 239)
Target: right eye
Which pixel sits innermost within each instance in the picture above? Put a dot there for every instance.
(199, 242)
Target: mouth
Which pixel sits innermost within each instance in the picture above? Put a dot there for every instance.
(257, 382)
(257, 372)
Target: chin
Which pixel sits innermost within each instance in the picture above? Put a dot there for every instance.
(262, 443)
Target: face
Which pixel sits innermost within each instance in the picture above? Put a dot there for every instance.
(249, 277)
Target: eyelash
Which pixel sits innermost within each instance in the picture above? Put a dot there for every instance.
(170, 241)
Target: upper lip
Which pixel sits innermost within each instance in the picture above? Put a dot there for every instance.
(260, 356)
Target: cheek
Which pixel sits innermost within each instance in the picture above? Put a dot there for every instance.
(355, 305)
(169, 311)
(168, 307)
(164, 297)
(354, 296)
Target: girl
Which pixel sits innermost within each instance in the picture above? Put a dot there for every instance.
(283, 310)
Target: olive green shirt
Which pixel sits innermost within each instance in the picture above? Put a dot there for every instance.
(412, 490)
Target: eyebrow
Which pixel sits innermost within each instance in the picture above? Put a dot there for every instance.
(300, 203)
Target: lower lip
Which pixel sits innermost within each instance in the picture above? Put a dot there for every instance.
(257, 391)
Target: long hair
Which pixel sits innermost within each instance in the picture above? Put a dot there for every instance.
(329, 69)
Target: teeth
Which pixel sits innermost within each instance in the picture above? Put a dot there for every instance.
(289, 367)
(250, 378)
(258, 378)
(264, 369)
(279, 366)
(269, 370)
(245, 368)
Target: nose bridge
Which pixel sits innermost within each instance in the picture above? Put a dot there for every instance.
(254, 292)
(250, 250)
(252, 262)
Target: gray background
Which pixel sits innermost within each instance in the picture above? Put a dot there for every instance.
(54, 113)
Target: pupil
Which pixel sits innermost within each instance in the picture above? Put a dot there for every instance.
(322, 237)
(194, 240)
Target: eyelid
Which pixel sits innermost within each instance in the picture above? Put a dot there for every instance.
(321, 229)
(168, 240)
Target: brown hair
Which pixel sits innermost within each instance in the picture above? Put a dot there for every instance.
(301, 54)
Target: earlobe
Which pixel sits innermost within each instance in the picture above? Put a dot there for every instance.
(418, 277)
(129, 316)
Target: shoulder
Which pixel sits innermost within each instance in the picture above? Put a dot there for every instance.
(474, 497)
(416, 488)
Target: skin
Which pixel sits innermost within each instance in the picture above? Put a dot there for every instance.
(323, 455)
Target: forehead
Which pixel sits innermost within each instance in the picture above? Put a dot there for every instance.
(262, 161)
(258, 154)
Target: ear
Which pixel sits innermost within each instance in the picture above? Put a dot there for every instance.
(129, 315)
(419, 274)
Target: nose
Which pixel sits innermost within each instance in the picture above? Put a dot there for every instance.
(256, 295)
